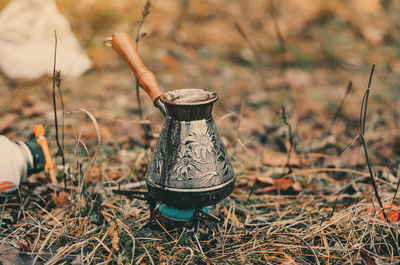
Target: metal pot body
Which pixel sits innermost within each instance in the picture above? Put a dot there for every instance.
(190, 166)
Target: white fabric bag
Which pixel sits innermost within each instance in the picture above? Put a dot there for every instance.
(27, 41)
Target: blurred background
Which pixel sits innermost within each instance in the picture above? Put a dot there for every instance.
(309, 60)
(258, 55)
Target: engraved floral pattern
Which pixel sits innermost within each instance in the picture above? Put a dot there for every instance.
(185, 167)
(190, 155)
(201, 142)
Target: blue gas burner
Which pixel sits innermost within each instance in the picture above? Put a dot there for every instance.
(177, 214)
(169, 216)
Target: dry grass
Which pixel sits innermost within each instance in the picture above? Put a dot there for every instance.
(98, 227)
(327, 212)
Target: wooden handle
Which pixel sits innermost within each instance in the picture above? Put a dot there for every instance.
(123, 45)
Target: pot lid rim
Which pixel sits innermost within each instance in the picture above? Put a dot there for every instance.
(211, 97)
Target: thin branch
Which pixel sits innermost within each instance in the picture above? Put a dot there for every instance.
(371, 174)
(364, 104)
(290, 137)
(56, 76)
(139, 35)
(60, 98)
(363, 115)
(145, 13)
(347, 146)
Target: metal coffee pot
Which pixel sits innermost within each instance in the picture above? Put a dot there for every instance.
(190, 166)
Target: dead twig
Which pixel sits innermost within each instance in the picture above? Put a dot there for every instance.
(363, 115)
(57, 80)
(60, 98)
(291, 147)
(139, 36)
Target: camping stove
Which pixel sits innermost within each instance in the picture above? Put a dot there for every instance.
(168, 216)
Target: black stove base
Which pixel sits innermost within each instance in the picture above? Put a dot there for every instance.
(171, 217)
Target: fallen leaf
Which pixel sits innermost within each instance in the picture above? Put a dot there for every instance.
(392, 212)
(61, 200)
(279, 184)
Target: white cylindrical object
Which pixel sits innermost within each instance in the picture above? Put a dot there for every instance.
(15, 159)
